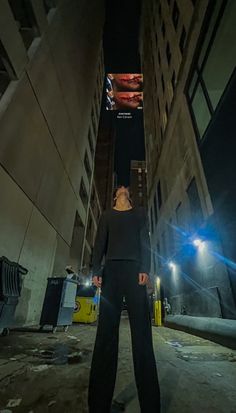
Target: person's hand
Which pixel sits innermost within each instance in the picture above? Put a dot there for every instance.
(143, 278)
(97, 281)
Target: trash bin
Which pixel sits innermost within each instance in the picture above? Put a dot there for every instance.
(59, 303)
(86, 305)
(10, 290)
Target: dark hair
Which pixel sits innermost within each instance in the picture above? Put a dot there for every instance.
(114, 194)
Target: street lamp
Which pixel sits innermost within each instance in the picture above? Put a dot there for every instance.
(172, 265)
(198, 243)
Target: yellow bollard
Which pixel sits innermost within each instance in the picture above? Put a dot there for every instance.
(157, 313)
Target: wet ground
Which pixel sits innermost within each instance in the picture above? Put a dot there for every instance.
(43, 372)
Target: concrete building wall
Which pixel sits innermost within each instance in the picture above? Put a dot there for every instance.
(199, 283)
(49, 115)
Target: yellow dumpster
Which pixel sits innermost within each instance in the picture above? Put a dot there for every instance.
(157, 312)
(86, 310)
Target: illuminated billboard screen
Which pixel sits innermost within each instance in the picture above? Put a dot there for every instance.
(124, 91)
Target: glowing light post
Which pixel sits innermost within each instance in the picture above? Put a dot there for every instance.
(172, 265)
(157, 303)
(198, 243)
(158, 288)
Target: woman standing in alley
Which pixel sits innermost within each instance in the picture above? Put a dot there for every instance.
(123, 238)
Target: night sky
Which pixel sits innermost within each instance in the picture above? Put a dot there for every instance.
(121, 36)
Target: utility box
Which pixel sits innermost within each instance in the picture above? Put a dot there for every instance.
(86, 310)
(157, 313)
(10, 290)
(59, 303)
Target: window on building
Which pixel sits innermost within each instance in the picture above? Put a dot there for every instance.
(214, 64)
(159, 194)
(155, 80)
(168, 53)
(93, 122)
(175, 15)
(140, 185)
(154, 262)
(162, 133)
(6, 70)
(140, 177)
(155, 207)
(24, 16)
(87, 165)
(93, 197)
(163, 83)
(159, 57)
(151, 218)
(182, 40)
(90, 141)
(140, 194)
(201, 110)
(195, 206)
(167, 110)
(164, 120)
(158, 261)
(163, 245)
(173, 80)
(89, 231)
(163, 29)
(83, 193)
(222, 58)
(156, 39)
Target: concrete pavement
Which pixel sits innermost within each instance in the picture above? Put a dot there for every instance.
(49, 372)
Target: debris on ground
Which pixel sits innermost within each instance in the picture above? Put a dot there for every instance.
(51, 403)
(174, 344)
(5, 411)
(41, 367)
(75, 357)
(14, 402)
(73, 338)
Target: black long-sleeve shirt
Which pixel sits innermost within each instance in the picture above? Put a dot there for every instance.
(122, 235)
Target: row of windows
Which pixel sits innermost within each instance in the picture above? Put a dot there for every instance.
(214, 65)
(170, 238)
(182, 43)
(23, 14)
(157, 203)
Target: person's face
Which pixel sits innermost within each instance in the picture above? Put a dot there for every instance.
(128, 82)
(129, 100)
(122, 191)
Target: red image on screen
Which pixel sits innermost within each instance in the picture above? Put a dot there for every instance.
(124, 91)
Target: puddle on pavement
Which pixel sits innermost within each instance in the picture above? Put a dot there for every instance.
(61, 354)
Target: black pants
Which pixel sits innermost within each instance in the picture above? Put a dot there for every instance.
(121, 279)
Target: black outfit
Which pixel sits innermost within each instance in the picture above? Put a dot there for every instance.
(124, 239)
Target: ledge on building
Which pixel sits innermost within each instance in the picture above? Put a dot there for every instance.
(219, 330)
